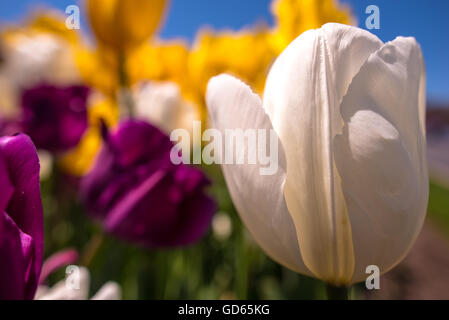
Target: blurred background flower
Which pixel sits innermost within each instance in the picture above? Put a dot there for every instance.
(124, 24)
(47, 112)
(140, 195)
(162, 104)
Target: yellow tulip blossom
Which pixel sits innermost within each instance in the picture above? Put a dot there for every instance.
(159, 60)
(245, 53)
(98, 68)
(293, 17)
(53, 22)
(155, 60)
(124, 24)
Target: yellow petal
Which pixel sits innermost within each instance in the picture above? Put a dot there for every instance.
(293, 17)
(122, 24)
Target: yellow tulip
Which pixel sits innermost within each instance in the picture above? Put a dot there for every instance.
(98, 68)
(293, 17)
(244, 53)
(249, 53)
(53, 22)
(124, 24)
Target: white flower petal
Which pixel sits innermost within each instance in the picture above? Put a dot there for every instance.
(46, 164)
(381, 155)
(39, 58)
(41, 292)
(160, 104)
(302, 97)
(258, 199)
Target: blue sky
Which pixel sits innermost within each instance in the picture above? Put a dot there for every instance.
(425, 20)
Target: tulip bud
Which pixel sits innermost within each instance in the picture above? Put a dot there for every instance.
(352, 188)
(123, 24)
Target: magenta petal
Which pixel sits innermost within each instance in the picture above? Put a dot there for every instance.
(128, 203)
(55, 117)
(7, 188)
(139, 195)
(56, 261)
(197, 221)
(25, 211)
(15, 273)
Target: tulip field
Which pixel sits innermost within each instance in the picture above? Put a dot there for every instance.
(300, 157)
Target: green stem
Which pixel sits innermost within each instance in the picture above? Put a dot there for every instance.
(242, 267)
(92, 249)
(337, 293)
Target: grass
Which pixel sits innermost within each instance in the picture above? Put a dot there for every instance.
(438, 209)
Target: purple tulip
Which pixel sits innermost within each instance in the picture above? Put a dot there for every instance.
(8, 127)
(21, 218)
(55, 118)
(140, 195)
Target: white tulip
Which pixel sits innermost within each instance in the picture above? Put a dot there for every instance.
(352, 188)
(162, 104)
(32, 59)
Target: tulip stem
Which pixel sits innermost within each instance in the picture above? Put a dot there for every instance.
(337, 293)
(91, 249)
(125, 91)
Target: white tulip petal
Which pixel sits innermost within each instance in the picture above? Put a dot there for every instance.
(302, 97)
(163, 105)
(109, 291)
(259, 199)
(381, 155)
(46, 164)
(39, 58)
(41, 292)
(159, 103)
(57, 292)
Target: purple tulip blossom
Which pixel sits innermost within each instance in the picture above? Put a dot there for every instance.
(21, 218)
(55, 117)
(140, 195)
(8, 127)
